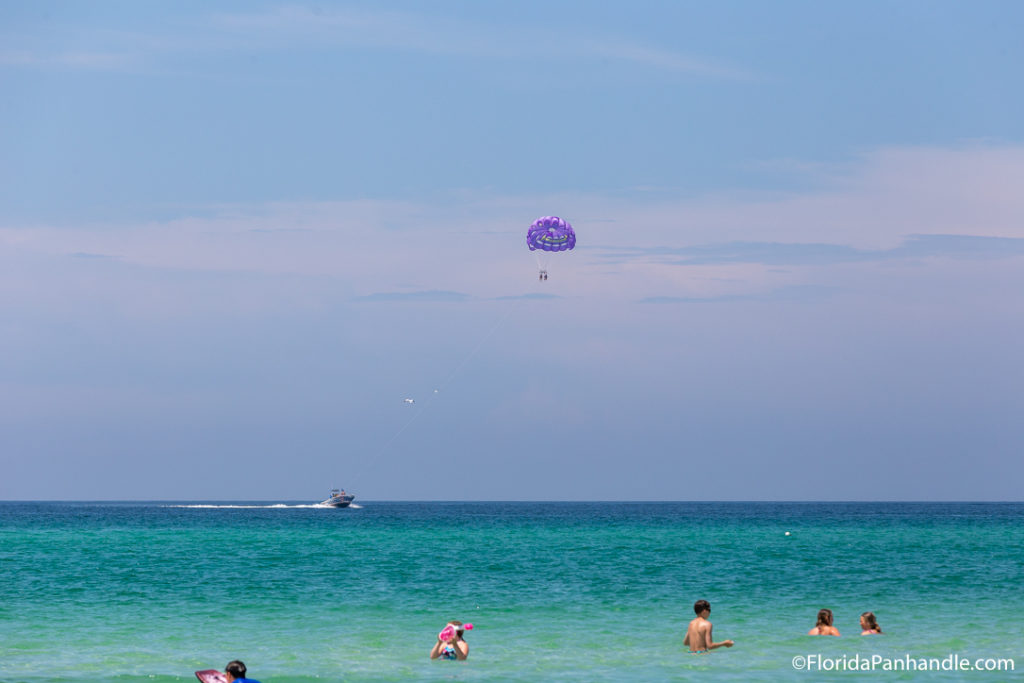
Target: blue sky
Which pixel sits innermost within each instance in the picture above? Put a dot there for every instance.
(234, 236)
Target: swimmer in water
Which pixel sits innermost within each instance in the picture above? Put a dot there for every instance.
(452, 647)
(869, 625)
(824, 626)
(698, 634)
(234, 672)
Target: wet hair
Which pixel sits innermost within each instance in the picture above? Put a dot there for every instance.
(235, 668)
(824, 617)
(458, 626)
(869, 617)
(700, 606)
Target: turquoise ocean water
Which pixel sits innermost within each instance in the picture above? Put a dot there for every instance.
(137, 592)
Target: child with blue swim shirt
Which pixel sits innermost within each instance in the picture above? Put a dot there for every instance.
(235, 672)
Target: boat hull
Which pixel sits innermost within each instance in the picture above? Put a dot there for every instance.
(338, 501)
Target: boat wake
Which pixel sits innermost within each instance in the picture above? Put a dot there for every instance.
(276, 506)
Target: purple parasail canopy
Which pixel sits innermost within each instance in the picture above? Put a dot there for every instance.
(550, 233)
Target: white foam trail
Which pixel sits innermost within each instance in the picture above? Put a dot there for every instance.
(276, 506)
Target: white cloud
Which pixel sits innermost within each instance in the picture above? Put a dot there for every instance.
(75, 60)
(290, 26)
(862, 223)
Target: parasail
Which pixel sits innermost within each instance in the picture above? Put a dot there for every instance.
(546, 235)
(550, 233)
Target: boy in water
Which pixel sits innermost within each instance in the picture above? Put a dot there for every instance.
(698, 634)
(234, 672)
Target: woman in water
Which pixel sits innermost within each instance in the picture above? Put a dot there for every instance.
(869, 624)
(450, 644)
(824, 626)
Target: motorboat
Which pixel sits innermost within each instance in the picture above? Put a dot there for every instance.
(338, 499)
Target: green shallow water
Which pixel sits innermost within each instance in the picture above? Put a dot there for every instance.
(558, 591)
